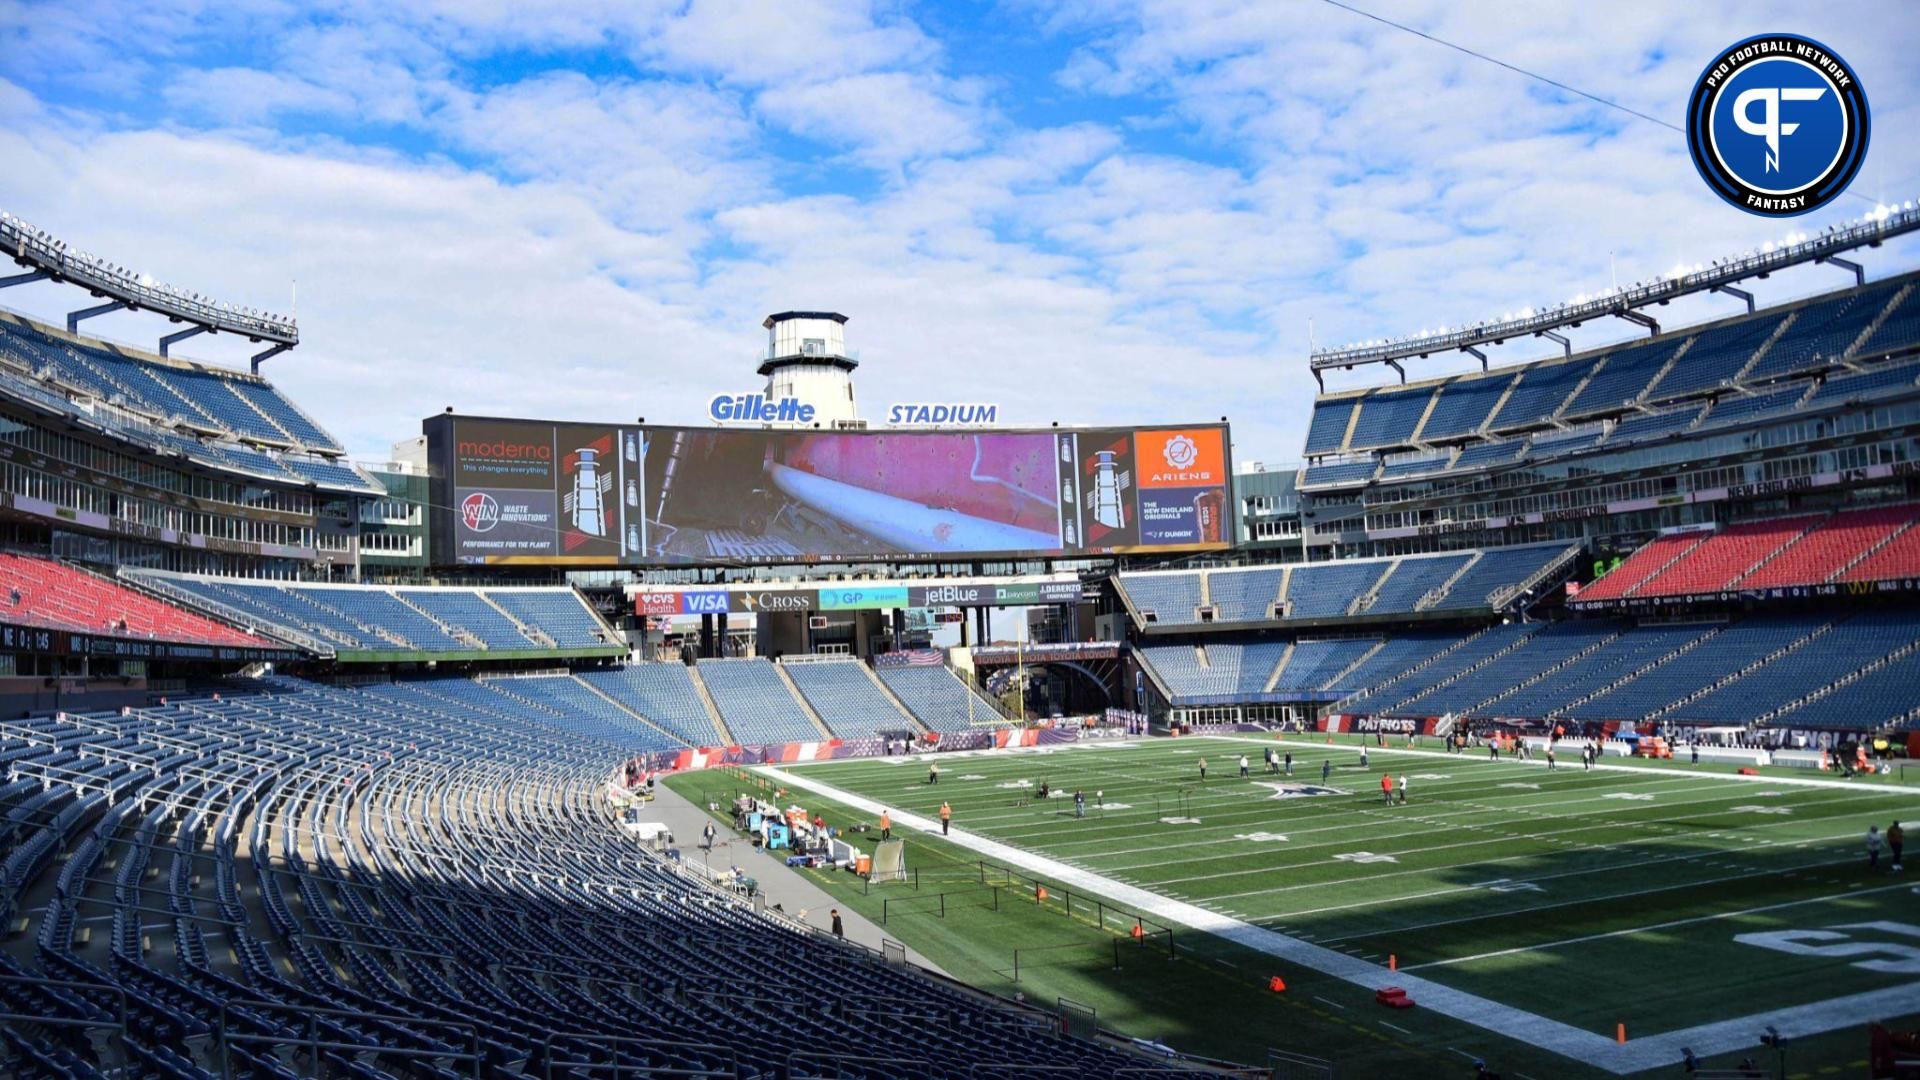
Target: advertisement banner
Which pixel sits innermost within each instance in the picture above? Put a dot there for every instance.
(864, 599)
(538, 492)
(656, 603)
(772, 600)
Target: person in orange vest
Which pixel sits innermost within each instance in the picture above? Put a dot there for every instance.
(886, 825)
(1386, 787)
(946, 818)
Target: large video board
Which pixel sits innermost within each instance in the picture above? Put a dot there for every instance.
(544, 493)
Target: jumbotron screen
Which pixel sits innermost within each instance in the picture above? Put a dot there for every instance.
(541, 492)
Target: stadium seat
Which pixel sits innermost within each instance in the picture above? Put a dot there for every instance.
(48, 593)
(938, 698)
(755, 702)
(428, 870)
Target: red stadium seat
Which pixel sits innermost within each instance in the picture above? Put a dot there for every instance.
(1643, 564)
(1724, 557)
(42, 592)
(1823, 552)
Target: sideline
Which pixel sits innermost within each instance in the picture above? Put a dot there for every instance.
(1561, 1038)
(1540, 763)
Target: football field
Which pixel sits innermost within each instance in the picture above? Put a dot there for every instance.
(1552, 906)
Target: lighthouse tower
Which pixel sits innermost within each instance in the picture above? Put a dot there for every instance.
(807, 360)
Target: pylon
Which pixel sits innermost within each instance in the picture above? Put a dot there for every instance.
(1393, 962)
(1620, 1034)
(1277, 984)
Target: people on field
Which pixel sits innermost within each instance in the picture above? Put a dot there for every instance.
(1873, 847)
(1289, 763)
(1243, 767)
(1363, 757)
(1326, 770)
(1203, 770)
(946, 818)
(1386, 787)
(839, 930)
(933, 773)
(1045, 791)
(1272, 760)
(886, 825)
(1403, 788)
(1079, 804)
(1552, 765)
(1896, 839)
(706, 837)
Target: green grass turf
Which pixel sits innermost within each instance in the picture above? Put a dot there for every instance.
(1658, 863)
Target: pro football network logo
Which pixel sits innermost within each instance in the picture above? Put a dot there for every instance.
(1777, 125)
(1181, 453)
(479, 512)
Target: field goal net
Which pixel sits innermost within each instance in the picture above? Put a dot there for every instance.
(889, 861)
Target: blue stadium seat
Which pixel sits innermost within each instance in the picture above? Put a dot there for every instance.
(663, 693)
(847, 698)
(1328, 432)
(1465, 404)
(755, 703)
(1716, 356)
(938, 697)
(1388, 417)
(1541, 391)
(1173, 598)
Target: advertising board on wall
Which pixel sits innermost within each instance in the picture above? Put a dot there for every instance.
(544, 493)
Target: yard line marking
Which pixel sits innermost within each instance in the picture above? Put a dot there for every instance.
(1647, 929)
(1333, 1003)
(1498, 827)
(1552, 836)
(1395, 1027)
(1680, 857)
(1600, 869)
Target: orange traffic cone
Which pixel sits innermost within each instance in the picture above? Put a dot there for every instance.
(1277, 984)
(1040, 893)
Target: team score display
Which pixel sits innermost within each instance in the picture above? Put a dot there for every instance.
(524, 491)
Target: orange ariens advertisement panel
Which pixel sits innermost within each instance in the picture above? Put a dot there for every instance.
(1192, 458)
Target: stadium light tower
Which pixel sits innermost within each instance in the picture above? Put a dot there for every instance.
(807, 360)
(48, 259)
(1721, 276)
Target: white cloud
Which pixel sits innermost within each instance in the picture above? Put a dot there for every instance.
(514, 236)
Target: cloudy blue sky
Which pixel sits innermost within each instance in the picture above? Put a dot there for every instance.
(1099, 210)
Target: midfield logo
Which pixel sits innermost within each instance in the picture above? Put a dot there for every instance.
(1297, 791)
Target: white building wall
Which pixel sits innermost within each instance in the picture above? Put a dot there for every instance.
(828, 389)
